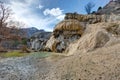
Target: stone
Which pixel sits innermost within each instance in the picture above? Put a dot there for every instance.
(96, 36)
(111, 7)
(89, 19)
(51, 44)
(64, 33)
(39, 39)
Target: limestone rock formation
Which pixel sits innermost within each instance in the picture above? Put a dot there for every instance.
(76, 25)
(87, 19)
(96, 36)
(38, 40)
(111, 7)
(73, 26)
(64, 33)
(51, 44)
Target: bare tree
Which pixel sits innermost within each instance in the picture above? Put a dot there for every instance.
(5, 13)
(89, 6)
(16, 27)
(8, 33)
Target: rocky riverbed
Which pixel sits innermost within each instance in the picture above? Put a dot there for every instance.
(24, 68)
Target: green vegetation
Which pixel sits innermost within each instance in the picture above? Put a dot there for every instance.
(33, 54)
(20, 54)
(14, 54)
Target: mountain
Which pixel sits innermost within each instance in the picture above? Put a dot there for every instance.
(30, 31)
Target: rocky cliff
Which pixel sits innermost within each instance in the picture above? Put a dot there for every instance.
(39, 39)
(96, 36)
(64, 33)
(74, 26)
(111, 7)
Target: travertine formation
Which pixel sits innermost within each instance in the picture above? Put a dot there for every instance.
(64, 33)
(90, 19)
(96, 36)
(72, 28)
(111, 7)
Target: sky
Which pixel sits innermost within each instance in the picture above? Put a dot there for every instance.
(45, 14)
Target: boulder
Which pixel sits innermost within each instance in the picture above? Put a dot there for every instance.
(51, 44)
(64, 33)
(39, 39)
(96, 36)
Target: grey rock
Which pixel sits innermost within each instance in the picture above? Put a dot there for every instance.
(111, 7)
(39, 39)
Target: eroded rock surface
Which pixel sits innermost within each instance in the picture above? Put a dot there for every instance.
(96, 36)
(38, 40)
(111, 7)
(64, 33)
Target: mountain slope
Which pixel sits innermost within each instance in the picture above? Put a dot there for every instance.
(31, 31)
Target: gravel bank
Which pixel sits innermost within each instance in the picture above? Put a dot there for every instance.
(17, 68)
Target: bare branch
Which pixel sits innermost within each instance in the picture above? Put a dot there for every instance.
(88, 7)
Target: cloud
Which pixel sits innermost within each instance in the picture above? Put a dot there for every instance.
(26, 11)
(23, 12)
(53, 11)
(56, 12)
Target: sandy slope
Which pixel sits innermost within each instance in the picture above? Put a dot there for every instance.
(101, 64)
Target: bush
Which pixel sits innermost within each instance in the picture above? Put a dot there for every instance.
(99, 8)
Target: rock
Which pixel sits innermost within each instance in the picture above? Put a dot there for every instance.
(51, 44)
(73, 26)
(64, 33)
(87, 19)
(95, 36)
(35, 44)
(39, 40)
(111, 7)
(100, 64)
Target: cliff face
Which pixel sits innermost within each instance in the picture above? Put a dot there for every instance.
(74, 26)
(64, 33)
(96, 36)
(111, 7)
(39, 39)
